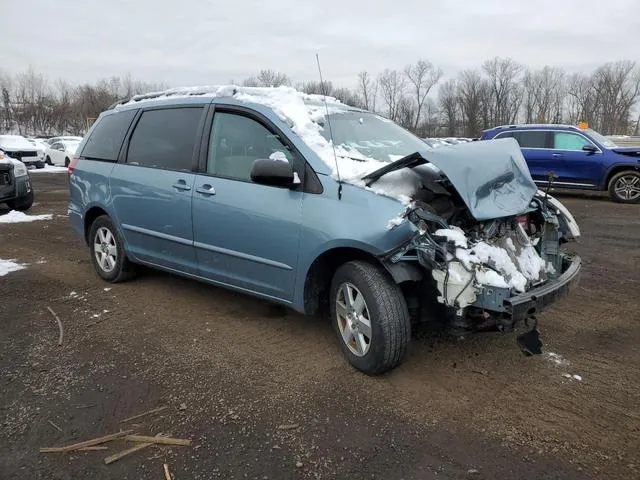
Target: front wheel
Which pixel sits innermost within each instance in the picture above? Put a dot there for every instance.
(66, 162)
(107, 251)
(624, 187)
(48, 160)
(370, 316)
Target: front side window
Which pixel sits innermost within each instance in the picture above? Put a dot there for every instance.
(569, 141)
(237, 141)
(165, 138)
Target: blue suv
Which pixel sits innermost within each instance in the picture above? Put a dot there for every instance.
(312, 204)
(579, 158)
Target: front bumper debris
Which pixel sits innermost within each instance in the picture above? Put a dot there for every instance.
(527, 304)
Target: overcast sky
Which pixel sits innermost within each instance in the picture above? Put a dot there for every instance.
(186, 42)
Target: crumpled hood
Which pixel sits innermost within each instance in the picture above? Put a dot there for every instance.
(491, 176)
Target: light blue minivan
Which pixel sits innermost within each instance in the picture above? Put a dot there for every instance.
(313, 204)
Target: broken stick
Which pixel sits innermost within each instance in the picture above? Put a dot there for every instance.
(149, 412)
(54, 425)
(159, 440)
(59, 325)
(123, 453)
(87, 443)
(167, 475)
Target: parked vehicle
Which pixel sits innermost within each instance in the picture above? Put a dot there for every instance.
(19, 148)
(15, 184)
(61, 152)
(40, 144)
(242, 188)
(581, 158)
(71, 138)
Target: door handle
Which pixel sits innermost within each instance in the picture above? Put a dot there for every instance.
(206, 189)
(181, 185)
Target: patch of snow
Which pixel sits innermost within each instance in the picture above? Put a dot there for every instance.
(15, 216)
(395, 221)
(454, 234)
(490, 278)
(106, 289)
(49, 169)
(483, 253)
(278, 155)
(556, 358)
(510, 245)
(572, 377)
(8, 266)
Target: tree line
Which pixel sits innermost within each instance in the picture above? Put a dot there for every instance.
(500, 91)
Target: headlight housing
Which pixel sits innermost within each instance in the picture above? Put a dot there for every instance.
(19, 170)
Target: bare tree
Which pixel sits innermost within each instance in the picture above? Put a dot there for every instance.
(368, 90)
(472, 94)
(392, 85)
(450, 106)
(544, 93)
(617, 89)
(503, 77)
(422, 77)
(581, 100)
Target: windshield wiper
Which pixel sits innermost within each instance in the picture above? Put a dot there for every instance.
(409, 161)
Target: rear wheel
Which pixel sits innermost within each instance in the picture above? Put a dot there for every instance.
(107, 251)
(66, 162)
(48, 160)
(624, 187)
(23, 203)
(370, 317)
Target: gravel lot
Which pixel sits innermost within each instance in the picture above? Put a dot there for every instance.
(233, 371)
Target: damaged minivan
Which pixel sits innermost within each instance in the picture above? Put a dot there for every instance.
(310, 203)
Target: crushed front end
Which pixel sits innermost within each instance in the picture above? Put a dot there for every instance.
(494, 273)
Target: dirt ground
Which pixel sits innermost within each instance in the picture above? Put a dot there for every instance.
(233, 371)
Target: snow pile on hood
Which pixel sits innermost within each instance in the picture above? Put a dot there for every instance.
(8, 266)
(499, 264)
(15, 216)
(16, 142)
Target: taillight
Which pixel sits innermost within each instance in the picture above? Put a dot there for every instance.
(72, 165)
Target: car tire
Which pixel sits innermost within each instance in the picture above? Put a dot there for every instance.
(67, 162)
(366, 304)
(48, 160)
(39, 164)
(111, 262)
(21, 204)
(624, 187)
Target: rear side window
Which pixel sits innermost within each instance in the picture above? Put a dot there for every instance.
(165, 138)
(531, 139)
(107, 136)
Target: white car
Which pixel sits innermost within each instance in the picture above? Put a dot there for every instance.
(61, 152)
(19, 148)
(53, 140)
(41, 145)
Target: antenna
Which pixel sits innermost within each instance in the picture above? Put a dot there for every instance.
(335, 157)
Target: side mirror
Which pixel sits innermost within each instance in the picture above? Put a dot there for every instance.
(589, 148)
(272, 172)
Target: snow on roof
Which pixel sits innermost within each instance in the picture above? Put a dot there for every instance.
(16, 142)
(304, 114)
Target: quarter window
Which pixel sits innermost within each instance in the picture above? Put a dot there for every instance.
(107, 136)
(165, 138)
(237, 141)
(569, 141)
(531, 139)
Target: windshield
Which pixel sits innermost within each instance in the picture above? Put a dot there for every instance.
(371, 135)
(601, 139)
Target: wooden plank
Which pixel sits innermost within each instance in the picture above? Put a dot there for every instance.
(159, 440)
(87, 443)
(123, 453)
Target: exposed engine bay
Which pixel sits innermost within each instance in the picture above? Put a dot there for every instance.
(478, 266)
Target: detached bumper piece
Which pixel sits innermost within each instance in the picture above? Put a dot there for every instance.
(528, 304)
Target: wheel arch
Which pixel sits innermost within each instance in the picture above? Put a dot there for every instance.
(89, 218)
(320, 273)
(614, 170)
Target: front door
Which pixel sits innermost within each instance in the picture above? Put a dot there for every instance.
(581, 168)
(152, 191)
(246, 235)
